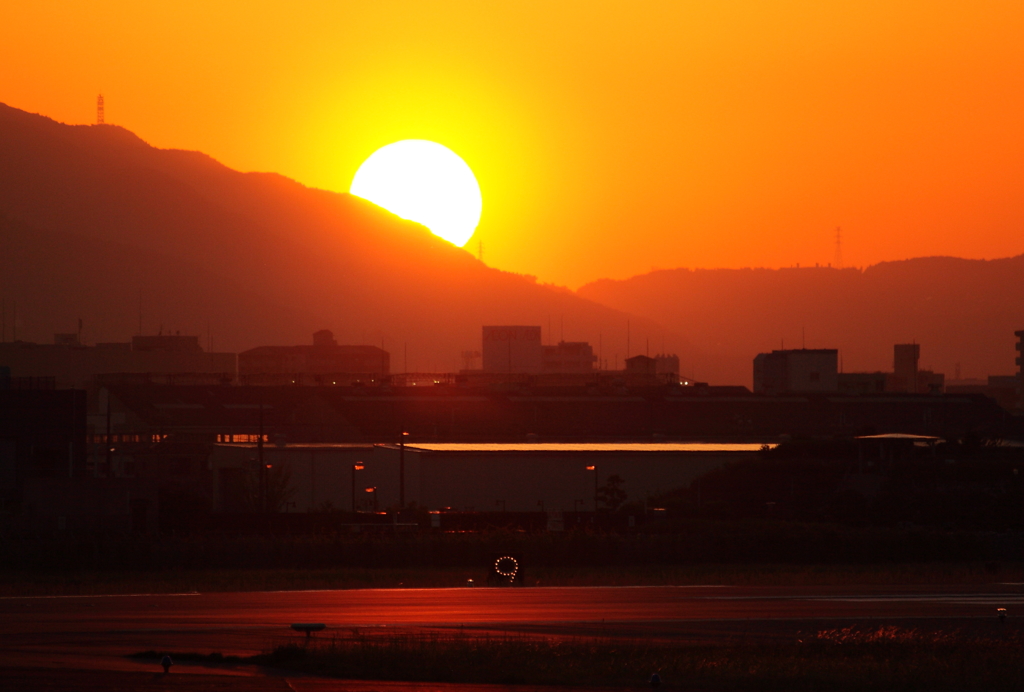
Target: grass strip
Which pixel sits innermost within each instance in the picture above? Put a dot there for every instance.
(192, 657)
(833, 659)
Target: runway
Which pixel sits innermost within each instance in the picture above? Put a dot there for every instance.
(100, 631)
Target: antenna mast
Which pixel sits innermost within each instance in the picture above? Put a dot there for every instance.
(99, 109)
(839, 248)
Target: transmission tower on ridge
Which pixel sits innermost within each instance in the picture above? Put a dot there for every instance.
(99, 109)
(839, 248)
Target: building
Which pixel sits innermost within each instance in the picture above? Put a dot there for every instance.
(569, 357)
(611, 407)
(466, 477)
(666, 364)
(325, 361)
(905, 359)
(644, 371)
(74, 365)
(42, 437)
(641, 365)
(797, 370)
(512, 349)
(929, 382)
(906, 376)
(169, 343)
(857, 383)
(1002, 388)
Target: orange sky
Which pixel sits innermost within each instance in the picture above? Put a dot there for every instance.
(608, 138)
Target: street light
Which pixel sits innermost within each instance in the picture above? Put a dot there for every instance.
(401, 470)
(358, 466)
(593, 468)
(373, 489)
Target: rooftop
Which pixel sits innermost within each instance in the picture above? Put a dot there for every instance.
(586, 447)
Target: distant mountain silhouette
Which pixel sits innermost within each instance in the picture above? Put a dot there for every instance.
(960, 311)
(92, 219)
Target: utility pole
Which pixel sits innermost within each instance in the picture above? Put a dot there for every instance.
(401, 470)
(358, 466)
(110, 450)
(263, 500)
(593, 468)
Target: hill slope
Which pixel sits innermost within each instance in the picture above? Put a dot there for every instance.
(93, 221)
(960, 311)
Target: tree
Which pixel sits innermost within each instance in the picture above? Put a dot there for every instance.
(278, 490)
(612, 495)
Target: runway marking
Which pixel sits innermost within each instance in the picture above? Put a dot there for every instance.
(979, 599)
(500, 588)
(97, 595)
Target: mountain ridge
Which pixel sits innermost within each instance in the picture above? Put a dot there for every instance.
(228, 243)
(960, 310)
(262, 260)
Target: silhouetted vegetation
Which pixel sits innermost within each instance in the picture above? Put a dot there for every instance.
(855, 658)
(611, 495)
(954, 486)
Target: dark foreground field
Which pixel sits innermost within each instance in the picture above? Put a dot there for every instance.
(858, 657)
(710, 637)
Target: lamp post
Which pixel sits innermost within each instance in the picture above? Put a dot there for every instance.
(594, 469)
(266, 468)
(264, 480)
(373, 489)
(358, 466)
(401, 470)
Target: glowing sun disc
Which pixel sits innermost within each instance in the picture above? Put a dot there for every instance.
(425, 182)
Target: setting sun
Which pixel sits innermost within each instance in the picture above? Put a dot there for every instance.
(425, 182)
